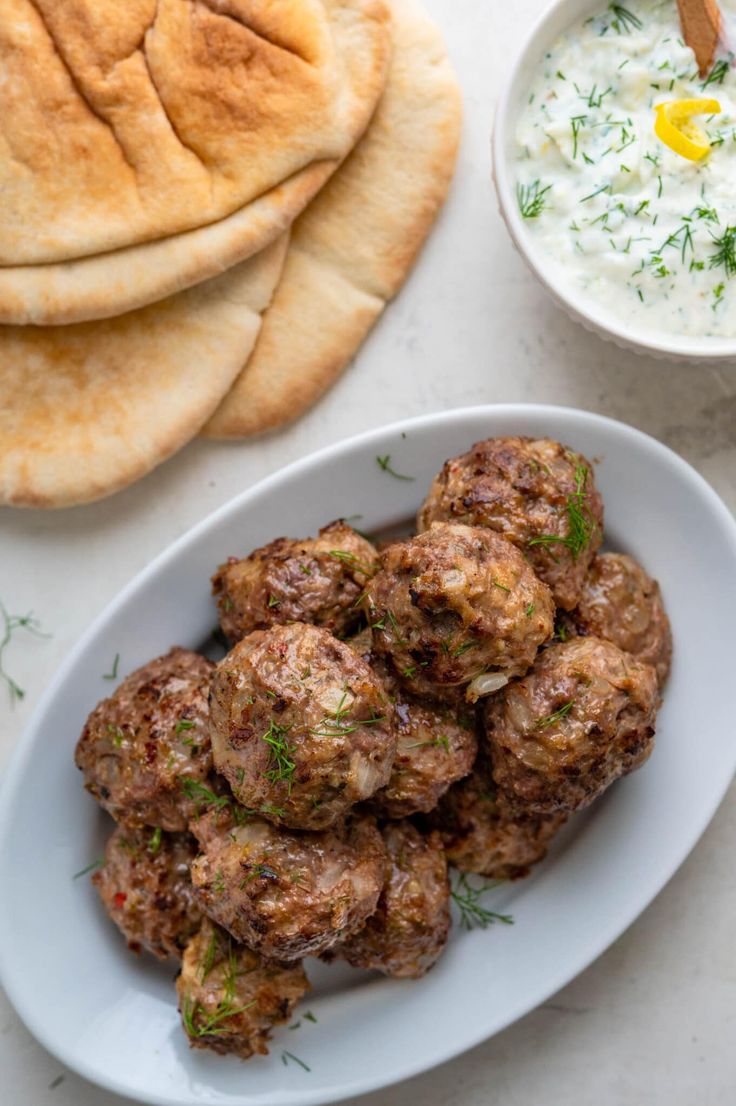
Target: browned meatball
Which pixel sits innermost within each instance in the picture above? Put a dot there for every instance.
(539, 494)
(582, 718)
(436, 746)
(301, 727)
(144, 747)
(317, 580)
(622, 604)
(481, 834)
(146, 889)
(287, 894)
(457, 602)
(230, 998)
(446, 699)
(409, 929)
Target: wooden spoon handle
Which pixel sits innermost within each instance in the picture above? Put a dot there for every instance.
(701, 29)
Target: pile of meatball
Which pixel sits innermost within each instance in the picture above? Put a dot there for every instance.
(384, 712)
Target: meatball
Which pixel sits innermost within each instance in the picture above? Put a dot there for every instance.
(538, 494)
(481, 834)
(287, 894)
(582, 718)
(142, 749)
(455, 603)
(146, 889)
(409, 930)
(230, 998)
(318, 580)
(301, 727)
(620, 603)
(436, 746)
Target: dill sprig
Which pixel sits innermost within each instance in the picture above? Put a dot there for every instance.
(594, 98)
(203, 796)
(350, 559)
(287, 1056)
(681, 239)
(725, 252)
(709, 214)
(556, 716)
(472, 913)
(99, 863)
(113, 675)
(436, 743)
(209, 957)
(282, 766)
(717, 74)
(339, 723)
(12, 623)
(199, 1023)
(624, 21)
(384, 463)
(581, 524)
(531, 197)
(576, 122)
(560, 633)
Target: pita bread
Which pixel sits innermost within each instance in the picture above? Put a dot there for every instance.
(88, 409)
(127, 123)
(113, 284)
(353, 247)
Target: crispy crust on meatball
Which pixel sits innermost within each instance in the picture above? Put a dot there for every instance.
(481, 834)
(538, 494)
(455, 602)
(230, 998)
(317, 580)
(301, 726)
(622, 604)
(581, 719)
(409, 930)
(146, 889)
(283, 893)
(140, 746)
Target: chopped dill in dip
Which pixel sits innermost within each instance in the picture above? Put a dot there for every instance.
(641, 229)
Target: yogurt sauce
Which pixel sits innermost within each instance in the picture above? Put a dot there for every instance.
(635, 226)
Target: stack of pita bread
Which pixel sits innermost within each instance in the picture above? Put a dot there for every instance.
(206, 205)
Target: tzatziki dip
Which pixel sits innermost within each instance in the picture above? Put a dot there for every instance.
(642, 221)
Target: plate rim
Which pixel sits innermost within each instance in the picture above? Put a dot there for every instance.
(17, 762)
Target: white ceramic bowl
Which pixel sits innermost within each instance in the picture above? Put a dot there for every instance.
(113, 1017)
(561, 15)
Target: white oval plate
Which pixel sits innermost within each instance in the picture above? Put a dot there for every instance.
(113, 1018)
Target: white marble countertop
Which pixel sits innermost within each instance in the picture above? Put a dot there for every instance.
(654, 1020)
